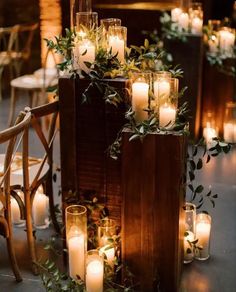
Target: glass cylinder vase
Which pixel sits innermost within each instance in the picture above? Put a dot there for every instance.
(78, 6)
(94, 271)
(117, 41)
(167, 92)
(227, 41)
(189, 235)
(210, 130)
(230, 122)
(140, 86)
(203, 231)
(105, 24)
(161, 87)
(86, 21)
(106, 232)
(76, 238)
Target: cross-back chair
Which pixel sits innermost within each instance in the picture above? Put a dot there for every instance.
(43, 122)
(9, 137)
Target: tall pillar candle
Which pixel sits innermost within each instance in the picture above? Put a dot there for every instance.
(140, 100)
(40, 209)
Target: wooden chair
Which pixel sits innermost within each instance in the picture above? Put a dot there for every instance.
(35, 85)
(45, 132)
(8, 39)
(10, 136)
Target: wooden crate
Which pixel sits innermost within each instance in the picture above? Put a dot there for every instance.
(152, 213)
(87, 130)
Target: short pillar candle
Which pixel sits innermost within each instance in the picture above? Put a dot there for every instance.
(94, 271)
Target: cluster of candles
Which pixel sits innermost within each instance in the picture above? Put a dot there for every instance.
(191, 21)
(197, 227)
(221, 39)
(165, 92)
(39, 209)
(88, 265)
(113, 38)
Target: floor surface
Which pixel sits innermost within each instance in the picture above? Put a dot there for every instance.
(218, 274)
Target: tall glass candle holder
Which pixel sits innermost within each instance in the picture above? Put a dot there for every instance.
(230, 122)
(105, 24)
(210, 130)
(168, 103)
(76, 237)
(203, 231)
(189, 235)
(40, 211)
(140, 86)
(226, 41)
(106, 231)
(117, 41)
(86, 21)
(78, 6)
(196, 18)
(161, 87)
(94, 271)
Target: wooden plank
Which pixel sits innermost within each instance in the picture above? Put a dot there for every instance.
(153, 197)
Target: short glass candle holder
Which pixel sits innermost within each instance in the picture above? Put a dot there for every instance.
(227, 41)
(189, 235)
(230, 122)
(167, 94)
(40, 211)
(105, 24)
(106, 231)
(117, 41)
(203, 232)
(140, 86)
(94, 271)
(76, 237)
(78, 6)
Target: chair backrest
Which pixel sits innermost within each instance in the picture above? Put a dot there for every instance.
(12, 138)
(8, 39)
(43, 121)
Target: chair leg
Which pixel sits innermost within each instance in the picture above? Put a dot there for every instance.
(49, 192)
(30, 234)
(1, 71)
(12, 106)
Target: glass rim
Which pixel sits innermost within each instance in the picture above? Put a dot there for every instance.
(93, 252)
(76, 206)
(86, 13)
(107, 220)
(118, 27)
(110, 19)
(191, 205)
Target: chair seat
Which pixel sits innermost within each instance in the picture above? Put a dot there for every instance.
(17, 171)
(33, 82)
(49, 73)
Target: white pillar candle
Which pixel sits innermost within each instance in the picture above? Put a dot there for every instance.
(175, 13)
(209, 133)
(166, 115)
(188, 256)
(203, 230)
(117, 46)
(94, 276)
(230, 132)
(40, 209)
(196, 25)
(76, 250)
(140, 100)
(227, 40)
(84, 52)
(183, 21)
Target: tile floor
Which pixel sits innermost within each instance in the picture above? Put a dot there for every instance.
(215, 275)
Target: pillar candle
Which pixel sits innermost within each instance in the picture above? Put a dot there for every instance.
(118, 46)
(84, 52)
(94, 276)
(230, 132)
(196, 25)
(209, 133)
(76, 250)
(188, 257)
(183, 21)
(140, 100)
(40, 209)
(166, 115)
(203, 230)
(227, 40)
(175, 13)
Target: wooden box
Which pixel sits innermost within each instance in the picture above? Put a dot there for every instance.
(152, 209)
(87, 130)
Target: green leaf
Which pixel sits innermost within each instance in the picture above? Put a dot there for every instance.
(199, 163)
(199, 189)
